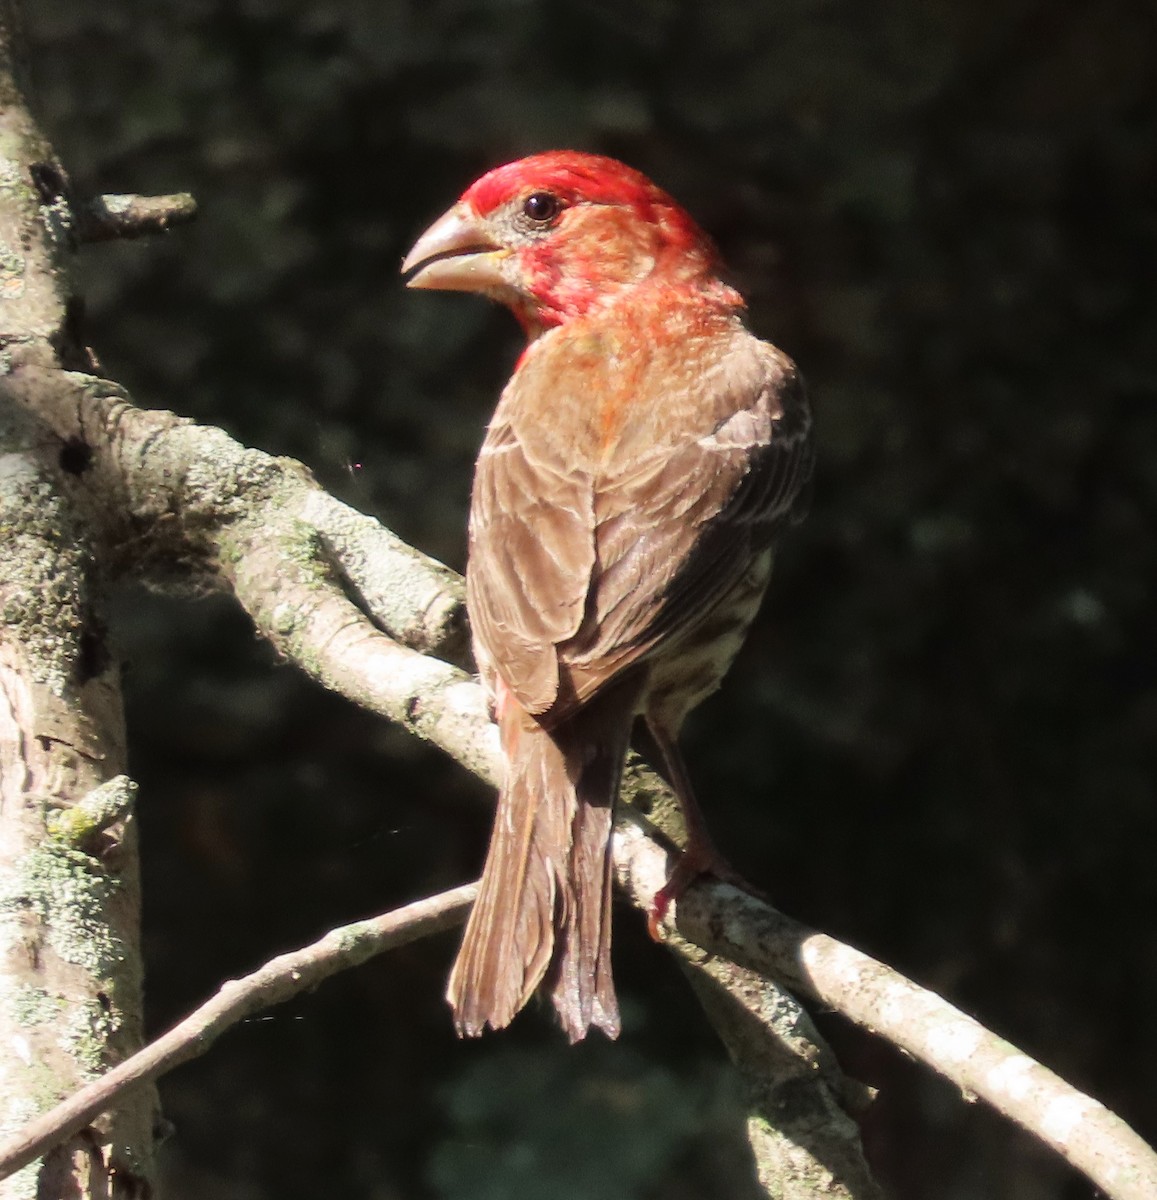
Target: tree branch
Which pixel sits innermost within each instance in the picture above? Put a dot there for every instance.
(731, 923)
(277, 981)
(258, 524)
(801, 1149)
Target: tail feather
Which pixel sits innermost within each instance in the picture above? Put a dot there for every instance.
(544, 906)
(582, 988)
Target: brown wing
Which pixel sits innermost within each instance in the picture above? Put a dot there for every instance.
(678, 534)
(585, 554)
(532, 556)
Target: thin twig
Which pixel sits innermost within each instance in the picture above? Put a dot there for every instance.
(278, 980)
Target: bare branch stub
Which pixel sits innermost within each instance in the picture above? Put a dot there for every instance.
(104, 218)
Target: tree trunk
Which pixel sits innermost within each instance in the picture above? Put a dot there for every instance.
(70, 970)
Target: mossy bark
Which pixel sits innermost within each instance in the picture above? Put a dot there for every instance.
(70, 973)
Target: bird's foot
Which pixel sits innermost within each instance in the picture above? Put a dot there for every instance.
(698, 859)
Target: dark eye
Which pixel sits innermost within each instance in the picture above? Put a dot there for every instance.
(541, 207)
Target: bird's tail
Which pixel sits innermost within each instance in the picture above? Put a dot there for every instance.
(544, 905)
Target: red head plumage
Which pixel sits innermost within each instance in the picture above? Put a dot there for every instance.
(560, 234)
(575, 177)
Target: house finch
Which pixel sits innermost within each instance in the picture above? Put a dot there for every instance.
(642, 460)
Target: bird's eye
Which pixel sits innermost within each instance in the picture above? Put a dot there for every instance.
(541, 207)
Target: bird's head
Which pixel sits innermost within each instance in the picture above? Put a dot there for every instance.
(559, 234)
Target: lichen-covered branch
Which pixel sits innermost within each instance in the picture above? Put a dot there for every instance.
(415, 599)
(183, 503)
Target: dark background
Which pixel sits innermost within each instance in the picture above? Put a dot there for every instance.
(939, 742)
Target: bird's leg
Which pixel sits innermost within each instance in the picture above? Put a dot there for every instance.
(699, 855)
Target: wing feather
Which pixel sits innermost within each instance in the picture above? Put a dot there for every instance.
(587, 553)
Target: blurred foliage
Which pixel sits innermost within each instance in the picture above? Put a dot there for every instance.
(590, 1125)
(939, 741)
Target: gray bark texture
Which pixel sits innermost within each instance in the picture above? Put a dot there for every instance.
(70, 971)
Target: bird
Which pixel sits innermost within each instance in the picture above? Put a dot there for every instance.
(640, 466)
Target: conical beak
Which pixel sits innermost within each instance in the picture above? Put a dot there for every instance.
(457, 253)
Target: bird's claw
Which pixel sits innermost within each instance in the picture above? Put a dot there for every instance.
(695, 861)
(657, 912)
